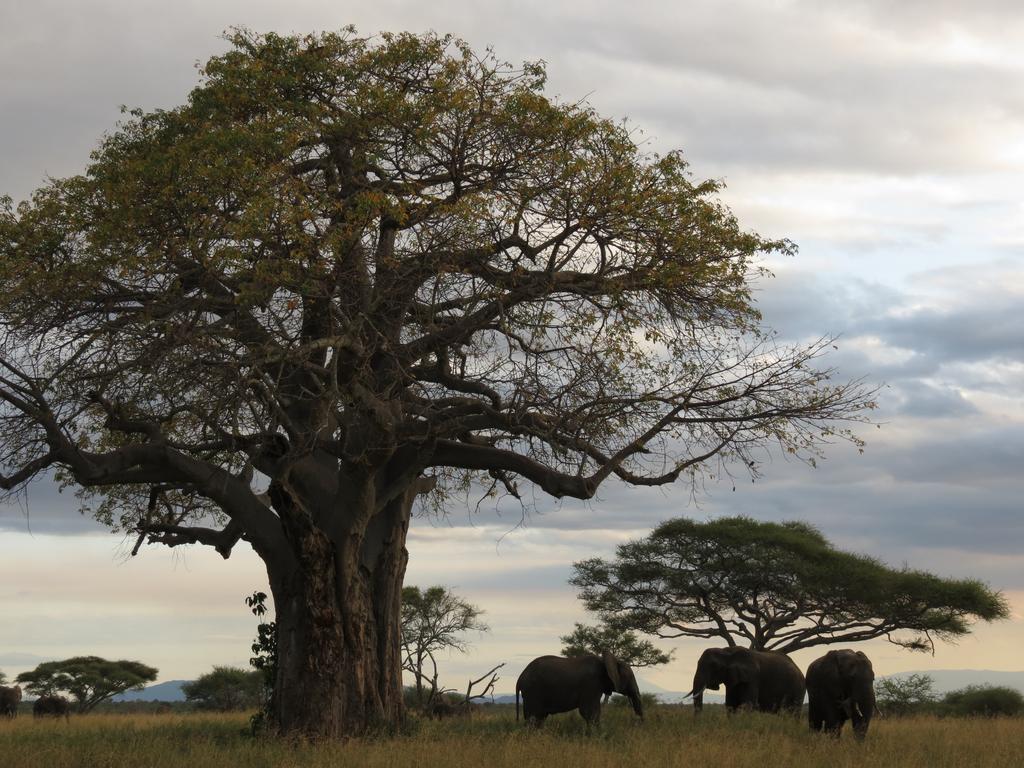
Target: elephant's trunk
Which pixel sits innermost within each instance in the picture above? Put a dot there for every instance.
(698, 700)
(700, 682)
(638, 704)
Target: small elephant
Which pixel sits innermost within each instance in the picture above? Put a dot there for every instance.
(841, 687)
(765, 680)
(552, 684)
(51, 706)
(10, 698)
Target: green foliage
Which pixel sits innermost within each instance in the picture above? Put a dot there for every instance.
(625, 644)
(3, 678)
(88, 679)
(364, 268)
(905, 694)
(433, 619)
(264, 657)
(428, 186)
(226, 689)
(983, 701)
(779, 586)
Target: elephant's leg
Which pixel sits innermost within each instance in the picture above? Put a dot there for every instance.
(815, 716)
(590, 711)
(740, 696)
(834, 724)
(733, 699)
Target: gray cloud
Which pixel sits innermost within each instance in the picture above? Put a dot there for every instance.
(795, 86)
(45, 510)
(950, 317)
(921, 399)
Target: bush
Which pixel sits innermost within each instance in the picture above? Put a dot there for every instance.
(983, 700)
(225, 689)
(905, 695)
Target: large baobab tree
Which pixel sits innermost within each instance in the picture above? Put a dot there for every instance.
(350, 271)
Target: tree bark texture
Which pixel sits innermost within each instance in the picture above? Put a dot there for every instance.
(338, 628)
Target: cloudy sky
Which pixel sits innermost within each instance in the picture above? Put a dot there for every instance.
(886, 140)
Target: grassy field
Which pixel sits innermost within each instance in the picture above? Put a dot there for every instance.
(669, 737)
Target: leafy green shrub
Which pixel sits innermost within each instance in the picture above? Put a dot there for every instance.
(264, 658)
(907, 695)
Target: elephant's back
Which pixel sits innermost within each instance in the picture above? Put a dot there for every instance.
(819, 670)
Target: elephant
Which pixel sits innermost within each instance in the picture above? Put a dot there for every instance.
(10, 698)
(841, 687)
(552, 684)
(765, 680)
(51, 706)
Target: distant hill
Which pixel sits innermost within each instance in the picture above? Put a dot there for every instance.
(169, 691)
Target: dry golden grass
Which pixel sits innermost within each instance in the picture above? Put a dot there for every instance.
(669, 737)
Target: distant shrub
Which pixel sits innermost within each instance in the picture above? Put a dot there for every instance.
(647, 699)
(412, 703)
(983, 700)
(225, 689)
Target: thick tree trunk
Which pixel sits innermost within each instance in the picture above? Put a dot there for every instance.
(338, 629)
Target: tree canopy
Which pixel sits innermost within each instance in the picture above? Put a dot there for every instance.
(349, 271)
(774, 586)
(89, 679)
(984, 701)
(433, 619)
(225, 689)
(625, 644)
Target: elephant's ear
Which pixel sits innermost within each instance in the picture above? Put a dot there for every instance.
(611, 665)
(746, 670)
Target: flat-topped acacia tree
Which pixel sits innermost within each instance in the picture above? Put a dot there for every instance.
(349, 271)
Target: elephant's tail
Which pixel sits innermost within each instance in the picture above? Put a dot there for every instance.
(517, 702)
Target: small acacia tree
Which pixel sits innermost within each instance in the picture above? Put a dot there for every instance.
(625, 644)
(225, 689)
(905, 694)
(361, 270)
(89, 679)
(433, 620)
(776, 587)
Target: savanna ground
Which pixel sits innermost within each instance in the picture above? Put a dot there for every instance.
(669, 737)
